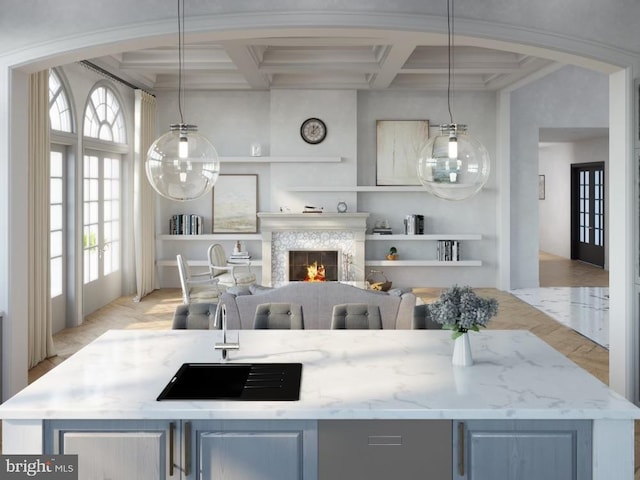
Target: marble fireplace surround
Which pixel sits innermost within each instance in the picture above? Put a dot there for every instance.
(282, 232)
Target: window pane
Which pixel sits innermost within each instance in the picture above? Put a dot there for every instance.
(103, 117)
(56, 243)
(55, 221)
(55, 185)
(56, 277)
(59, 110)
(108, 268)
(56, 164)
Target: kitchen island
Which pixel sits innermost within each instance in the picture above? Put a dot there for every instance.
(516, 383)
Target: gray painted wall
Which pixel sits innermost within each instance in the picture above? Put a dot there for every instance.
(234, 119)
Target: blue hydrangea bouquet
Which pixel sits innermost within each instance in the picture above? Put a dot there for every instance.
(460, 309)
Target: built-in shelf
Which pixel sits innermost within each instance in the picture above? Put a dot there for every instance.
(296, 159)
(390, 188)
(422, 263)
(199, 263)
(209, 237)
(354, 188)
(426, 237)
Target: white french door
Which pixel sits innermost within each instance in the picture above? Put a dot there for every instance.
(101, 229)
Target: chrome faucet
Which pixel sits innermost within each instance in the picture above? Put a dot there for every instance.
(221, 313)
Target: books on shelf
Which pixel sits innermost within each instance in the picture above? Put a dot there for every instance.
(448, 250)
(381, 231)
(240, 257)
(312, 209)
(185, 224)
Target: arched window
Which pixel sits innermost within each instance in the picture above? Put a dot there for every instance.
(103, 117)
(59, 106)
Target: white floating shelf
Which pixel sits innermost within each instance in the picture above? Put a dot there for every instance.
(390, 188)
(422, 263)
(296, 159)
(354, 188)
(210, 237)
(199, 263)
(426, 237)
(318, 188)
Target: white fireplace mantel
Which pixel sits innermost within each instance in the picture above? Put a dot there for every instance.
(354, 223)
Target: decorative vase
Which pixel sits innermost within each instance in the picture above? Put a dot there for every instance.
(462, 351)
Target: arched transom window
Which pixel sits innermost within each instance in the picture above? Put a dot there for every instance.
(59, 107)
(103, 117)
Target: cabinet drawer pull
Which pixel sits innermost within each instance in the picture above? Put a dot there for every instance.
(187, 449)
(394, 440)
(461, 449)
(172, 428)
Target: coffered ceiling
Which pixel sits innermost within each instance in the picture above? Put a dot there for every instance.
(323, 62)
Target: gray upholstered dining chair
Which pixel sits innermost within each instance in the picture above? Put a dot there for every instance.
(356, 316)
(282, 316)
(422, 319)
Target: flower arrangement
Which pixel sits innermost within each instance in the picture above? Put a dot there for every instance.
(460, 309)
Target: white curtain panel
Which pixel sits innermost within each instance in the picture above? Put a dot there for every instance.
(144, 209)
(40, 322)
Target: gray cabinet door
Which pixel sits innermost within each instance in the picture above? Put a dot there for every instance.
(522, 450)
(249, 450)
(384, 449)
(116, 450)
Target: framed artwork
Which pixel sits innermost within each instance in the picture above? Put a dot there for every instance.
(398, 145)
(541, 187)
(235, 204)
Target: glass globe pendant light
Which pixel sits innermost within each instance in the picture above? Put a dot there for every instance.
(182, 164)
(453, 165)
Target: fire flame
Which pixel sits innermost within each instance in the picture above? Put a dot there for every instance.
(315, 273)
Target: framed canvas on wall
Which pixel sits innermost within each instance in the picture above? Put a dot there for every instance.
(235, 204)
(398, 145)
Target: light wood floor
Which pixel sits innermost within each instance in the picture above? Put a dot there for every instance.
(156, 310)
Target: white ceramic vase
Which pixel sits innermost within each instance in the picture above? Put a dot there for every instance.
(462, 351)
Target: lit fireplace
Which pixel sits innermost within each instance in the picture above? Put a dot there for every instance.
(313, 265)
(315, 273)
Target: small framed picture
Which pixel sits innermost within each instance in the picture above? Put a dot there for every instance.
(235, 204)
(540, 187)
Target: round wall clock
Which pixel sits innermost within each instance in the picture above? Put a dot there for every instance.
(313, 130)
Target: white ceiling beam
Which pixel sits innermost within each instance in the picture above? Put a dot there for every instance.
(247, 64)
(202, 81)
(395, 57)
(321, 67)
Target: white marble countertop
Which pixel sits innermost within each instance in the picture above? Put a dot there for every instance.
(346, 375)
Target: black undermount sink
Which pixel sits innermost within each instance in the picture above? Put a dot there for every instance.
(235, 381)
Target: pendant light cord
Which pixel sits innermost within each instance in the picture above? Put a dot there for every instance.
(180, 56)
(450, 30)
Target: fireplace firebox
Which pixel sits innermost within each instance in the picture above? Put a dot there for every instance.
(313, 266)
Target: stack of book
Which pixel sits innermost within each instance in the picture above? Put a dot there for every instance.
(381, 231)
(239, 256)
(185, 224)
(312, 209)
(448, 250)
